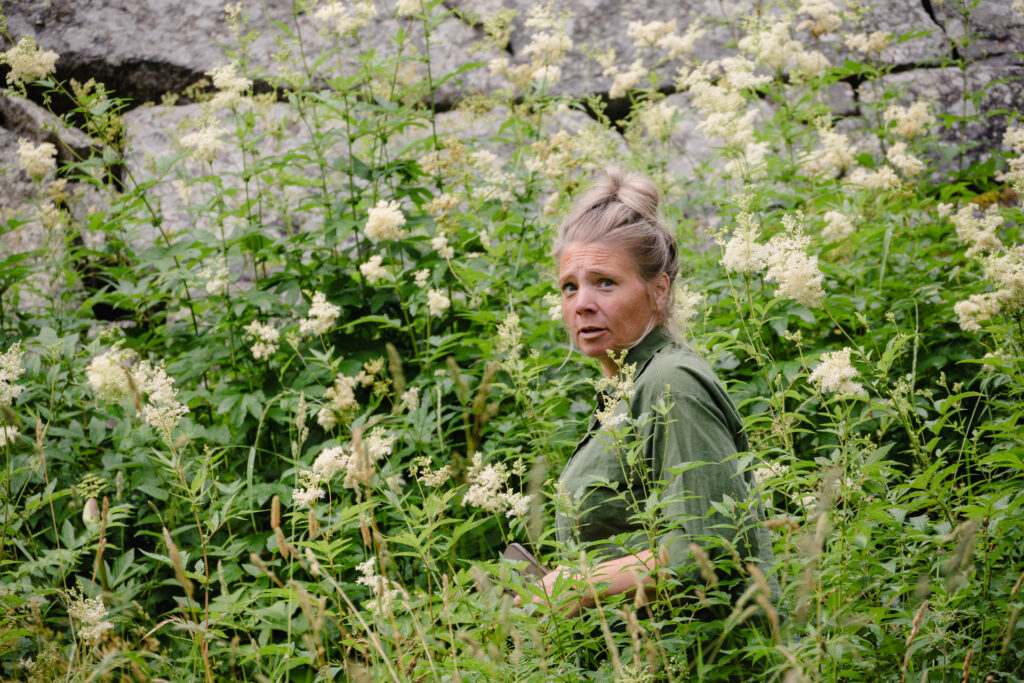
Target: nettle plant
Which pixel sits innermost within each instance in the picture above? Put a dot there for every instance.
(274, 401)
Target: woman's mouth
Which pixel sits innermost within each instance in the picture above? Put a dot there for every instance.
(590, 332)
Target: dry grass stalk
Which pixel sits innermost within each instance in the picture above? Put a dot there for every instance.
(915, 626)
(179, 566)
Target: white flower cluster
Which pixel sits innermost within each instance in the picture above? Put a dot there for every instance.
(439, 243)
(91, 615)
(624, 81)
(342, 397)
(357, 463)
(437, 302)
(664, 34)
(789, 265)
(372, 270)
(838, 226)
(908, 164)
(909, 122)
(867, 43)
(824, 17)
(510, 337)
(8, 435)
(978, 228)
(206, 143)
(881, 178)
(554, 303)
(382, 588)
(410, 399)
(1014, 139)
(10, 370)
(771, 471)
(322, 316)
(37, 160)
(230, 85)
(407, 8)
(548, 46)
(686, 304)
(385, 221)
(266, 337)
(434, 478)
(493, 181)
(28, 62)
(116, 377)
(339, 19)
(660, 119)
(216, 276)
(837, 153)
(835, 373)
(1006, 272)
(485, 484)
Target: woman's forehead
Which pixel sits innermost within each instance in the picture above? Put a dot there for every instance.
(593, 256)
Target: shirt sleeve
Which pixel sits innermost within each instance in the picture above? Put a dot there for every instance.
(690, 449)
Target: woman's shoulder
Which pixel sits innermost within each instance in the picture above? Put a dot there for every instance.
(677, 369)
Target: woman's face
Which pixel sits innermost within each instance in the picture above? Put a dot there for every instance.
(605, 302)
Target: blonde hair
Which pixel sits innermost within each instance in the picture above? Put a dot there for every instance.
(621, 210)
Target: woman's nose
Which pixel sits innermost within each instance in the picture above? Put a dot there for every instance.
(584, 300)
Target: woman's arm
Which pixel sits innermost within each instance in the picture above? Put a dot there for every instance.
(612, 577)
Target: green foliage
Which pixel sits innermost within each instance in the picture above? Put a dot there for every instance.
(356, 380)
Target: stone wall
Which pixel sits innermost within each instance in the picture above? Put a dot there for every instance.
(148, 50)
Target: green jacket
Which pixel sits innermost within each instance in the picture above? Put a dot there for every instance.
(657, 476)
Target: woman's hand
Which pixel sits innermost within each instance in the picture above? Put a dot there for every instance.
(561, 587)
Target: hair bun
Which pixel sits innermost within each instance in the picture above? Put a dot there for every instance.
(638, 192)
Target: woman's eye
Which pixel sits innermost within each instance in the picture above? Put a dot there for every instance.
(568, 288)
(605, 282)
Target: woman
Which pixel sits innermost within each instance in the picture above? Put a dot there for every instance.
(671, 429)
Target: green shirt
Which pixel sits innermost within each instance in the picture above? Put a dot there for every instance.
(669, 454)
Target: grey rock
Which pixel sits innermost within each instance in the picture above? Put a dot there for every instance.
(995, 28)
(25, 117)
(1001, 84)
(146, 48)
(901, 17)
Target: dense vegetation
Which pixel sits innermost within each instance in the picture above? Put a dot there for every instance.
(273, 403)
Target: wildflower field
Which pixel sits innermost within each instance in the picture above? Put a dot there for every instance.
(273, 403)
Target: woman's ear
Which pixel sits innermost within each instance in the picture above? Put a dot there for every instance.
(660, 287)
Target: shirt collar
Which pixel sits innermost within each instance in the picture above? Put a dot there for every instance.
(642, 352)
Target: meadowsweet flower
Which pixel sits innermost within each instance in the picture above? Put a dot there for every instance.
(229, 83)
(37, 160)
(824, 15)
(944, 209)
(381, 587)
(682, 45)
(330, 462)
(493, 181)
(366, 452)
(743, 253)
(1014, 137)
(372, 270)
(910, 121)
(384, 221)
(90, 615)
(978, 228)
(435, 478)
(838, 226)
(1006, 271)
(307, 497)
(10, 370)
(28, 62)
(660, 120)
(108, 374)
(881, 178)
(322, 315)
(440, 244)
(8, 435)
(875, 42)
(420, 277)
(485, 482)
(771, 471)
(338, 18)
(792, 268)
(437, 302)
(1018, 6)
(510, 337)
(407, 8)
(516, 504)
(410, 398)
(206, 143)
(772, 46)
(341, 397)
(624, 81)
(554, 304)
(651, 33)
(162, 410)
(835, 374)
(266, 337)
(687, 304)
(975, 310)
(216, 276)
(908, 164)
(749, 163)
